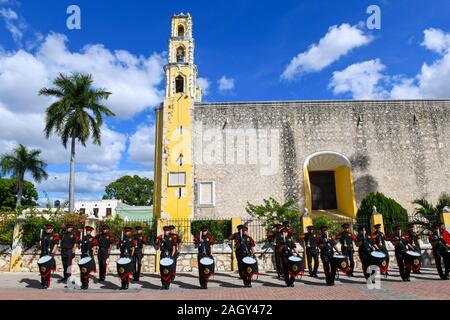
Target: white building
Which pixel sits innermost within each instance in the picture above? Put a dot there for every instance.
(98, 208)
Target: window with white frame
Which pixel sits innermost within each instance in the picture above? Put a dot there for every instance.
(177, 179)
(206, 193)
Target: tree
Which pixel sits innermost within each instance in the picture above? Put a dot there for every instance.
(20, 161)
(273, 212)
(134, 191)
(427, 214)
(392, 212)
(76, 115)
(8, 191)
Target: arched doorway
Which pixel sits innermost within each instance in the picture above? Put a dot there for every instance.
(329, 183)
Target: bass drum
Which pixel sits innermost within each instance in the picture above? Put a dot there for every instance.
(296, 266)
(378, 259)
(206, 267)
(339, 262)
(250, 267)
(124, 267)
(87, 266)
(413, 259)
(46, 264)
(167, 268)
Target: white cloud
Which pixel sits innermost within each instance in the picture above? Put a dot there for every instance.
(204, 84)
(142, 144)
(338, 41)
(431, 82)
(225, 84)
(362, 80)
(13, 23)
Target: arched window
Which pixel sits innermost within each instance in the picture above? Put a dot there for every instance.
(180, 54)
(179, 84)
(181, 30)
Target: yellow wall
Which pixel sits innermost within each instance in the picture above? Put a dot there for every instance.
(345, 193)
(307, 183)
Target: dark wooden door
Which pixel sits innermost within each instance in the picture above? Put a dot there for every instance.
(323, 190)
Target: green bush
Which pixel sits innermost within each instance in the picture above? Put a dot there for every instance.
(220, 229)
(321, 221)
(393, 213)
(7, 222)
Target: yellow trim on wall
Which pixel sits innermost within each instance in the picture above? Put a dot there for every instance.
(345, 193)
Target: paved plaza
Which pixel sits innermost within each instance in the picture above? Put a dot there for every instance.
(227, 286)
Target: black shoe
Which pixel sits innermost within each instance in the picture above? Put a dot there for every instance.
(84, 287)
(136, 280)
(44, 286)
(315, 276)
(63, 280)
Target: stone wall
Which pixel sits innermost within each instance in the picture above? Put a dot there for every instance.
(399, 148)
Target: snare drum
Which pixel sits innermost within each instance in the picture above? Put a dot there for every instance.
(46, 264)
(124, 267)
(412, 259)
(296, 265)
(378, 258)
(339, 262)
(206, 267)
(87, 266)
(250, 267)
(167, 268)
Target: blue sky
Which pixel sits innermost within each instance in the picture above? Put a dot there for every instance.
(262, 50)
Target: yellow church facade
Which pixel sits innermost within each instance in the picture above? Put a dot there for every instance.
(213, 158)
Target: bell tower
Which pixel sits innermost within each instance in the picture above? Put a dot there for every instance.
(174, 182)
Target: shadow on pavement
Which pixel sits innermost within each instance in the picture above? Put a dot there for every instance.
(186, 285)
(108, 285)
(31, 283)
(148, 285)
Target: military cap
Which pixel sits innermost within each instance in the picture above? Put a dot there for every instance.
(239, 227)
(105, 227)
(166, 228)
(205, 228)
(345, 225)
(126, 229)
(310, 227)
(138, 228)
(378, 225)
(284, 229)
(171, 227)
(89, 228)
(69, 225)
(49, 226)
(397, 228)
(323, 228)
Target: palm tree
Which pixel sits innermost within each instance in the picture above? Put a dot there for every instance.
(76, 115)
(18, 162)
(427, 214)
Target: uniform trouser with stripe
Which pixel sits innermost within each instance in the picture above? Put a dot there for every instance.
(103, 256)
(137, 264)
(330, 272)
(66, 259)
(288, 278)
(402, 268)
(312, 255)
(438, 259)
(278, 262)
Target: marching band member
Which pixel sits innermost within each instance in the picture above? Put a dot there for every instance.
(167, 245)
(104, 241)
(379, 243)
(177, 244)
(273, 237)
(364, 244)
(127, 249)
(140, 240)
(69, 239)
(204, 242)
(312, 252)
(49, 244)
(413, 240)
(347, 238)
(244, 246)
(88, 243)
(285, 247)
(401, 245)
(326, 245)
(440, 250)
